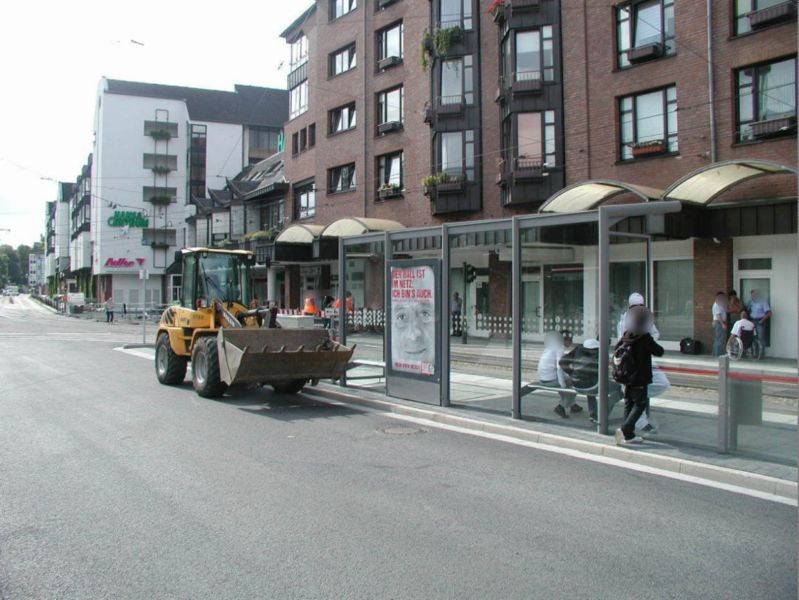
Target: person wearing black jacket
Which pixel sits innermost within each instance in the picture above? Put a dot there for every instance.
(635, 393)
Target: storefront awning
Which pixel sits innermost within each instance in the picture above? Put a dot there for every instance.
(359, 226)
(706, 184)
(589, 195)
(299, 234)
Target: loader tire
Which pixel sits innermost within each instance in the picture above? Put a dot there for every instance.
(170, 369)
(289, 387)
(205, 369)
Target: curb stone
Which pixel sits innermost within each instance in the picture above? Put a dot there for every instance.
(752, 481)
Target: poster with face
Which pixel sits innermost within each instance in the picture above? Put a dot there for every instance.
(413, 320)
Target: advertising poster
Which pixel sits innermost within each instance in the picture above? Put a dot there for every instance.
(413, 347)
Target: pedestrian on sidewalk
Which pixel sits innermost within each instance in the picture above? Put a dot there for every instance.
(456, 306)
(109, 310)
(550, 375)
(719, 313)
(760, 313)
(734, 308)
(641, 347)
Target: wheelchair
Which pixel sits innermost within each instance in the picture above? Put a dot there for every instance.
(745, 345)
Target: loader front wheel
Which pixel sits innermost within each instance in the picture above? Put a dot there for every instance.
(205, 369)
(289, 387)
(170, 369)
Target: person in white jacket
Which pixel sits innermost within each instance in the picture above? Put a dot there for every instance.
(551, 375)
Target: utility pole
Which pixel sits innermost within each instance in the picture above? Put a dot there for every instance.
(144, 274)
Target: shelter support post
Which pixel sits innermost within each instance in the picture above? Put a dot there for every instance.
(516, 332)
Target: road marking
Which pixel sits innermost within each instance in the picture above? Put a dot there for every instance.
(148, 354)
(605, 460)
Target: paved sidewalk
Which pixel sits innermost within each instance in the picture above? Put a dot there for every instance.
(750, 473)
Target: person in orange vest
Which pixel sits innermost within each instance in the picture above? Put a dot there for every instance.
(310, 306)
(349, 303)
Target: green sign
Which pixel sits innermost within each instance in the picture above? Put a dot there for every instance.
(129, 218)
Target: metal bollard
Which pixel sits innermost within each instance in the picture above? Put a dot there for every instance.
(725, 439)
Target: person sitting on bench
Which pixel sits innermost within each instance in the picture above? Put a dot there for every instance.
(550, 375)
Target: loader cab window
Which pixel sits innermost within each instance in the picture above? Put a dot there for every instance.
(189, 295)
(223, 277)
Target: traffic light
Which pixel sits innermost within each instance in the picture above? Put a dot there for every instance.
(469, 272)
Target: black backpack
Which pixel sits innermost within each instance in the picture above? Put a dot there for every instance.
(623, 368)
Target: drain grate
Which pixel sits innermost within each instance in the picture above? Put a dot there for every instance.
(402, 430)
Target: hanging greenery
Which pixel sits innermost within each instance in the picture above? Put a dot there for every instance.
(438, 44)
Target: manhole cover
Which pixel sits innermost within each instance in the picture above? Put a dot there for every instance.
(402, 430)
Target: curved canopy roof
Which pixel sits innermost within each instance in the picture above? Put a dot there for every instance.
(705, 184)
(299, 234)
(359, 226)
(588, 195)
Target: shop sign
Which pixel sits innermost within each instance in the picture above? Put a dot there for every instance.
(123, 263)
(129, 218)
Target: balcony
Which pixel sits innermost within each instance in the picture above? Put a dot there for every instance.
(388, 127)
(527, 82)
(159, 238)
(773, 127)
(429, 114)
(447, 106)
(383, 4)
(528, 169)
(388, 62)
(771, 15)
(645, 53)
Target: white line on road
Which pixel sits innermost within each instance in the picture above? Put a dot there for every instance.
(149, 354)
(605, 460)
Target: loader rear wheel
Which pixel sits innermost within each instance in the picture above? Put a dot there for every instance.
(289, 387)
(170, 369)
(205, 369)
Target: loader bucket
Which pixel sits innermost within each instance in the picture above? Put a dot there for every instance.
(267, 356)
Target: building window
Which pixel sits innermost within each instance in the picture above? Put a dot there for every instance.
(304, 200)
(160, 161)
(645, 30)
(389, 106)
(455, 13)
(457, 81)
(648, 123)
(303, 139)
(312, 135)
(295, 143)
(390, 45)
(535, 140)
(299, 52)
(342, 118)
(743, 8)
(389, 170)
(766, 100)
(161, 129)
(342, 60)
(456, 150)
(264, 138)
(298, 100)
(272, 216)
(341, 179)
(534, 57)
(339, 8)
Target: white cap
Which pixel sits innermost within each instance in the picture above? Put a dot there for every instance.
(635, 299)
(591, 344)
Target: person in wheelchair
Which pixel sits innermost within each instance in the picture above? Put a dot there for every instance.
(742, 336)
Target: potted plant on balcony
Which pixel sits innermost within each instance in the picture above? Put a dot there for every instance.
(648, 148)
(497, 10)
(161, 199)
(389, 190)
(161, 170)
(160, 134)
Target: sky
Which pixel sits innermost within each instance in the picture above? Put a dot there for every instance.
(54, 54)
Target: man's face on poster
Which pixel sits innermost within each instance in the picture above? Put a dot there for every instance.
(414, 322)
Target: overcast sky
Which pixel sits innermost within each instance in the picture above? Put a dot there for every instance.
(53, 53)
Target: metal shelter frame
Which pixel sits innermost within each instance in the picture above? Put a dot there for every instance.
(605, 217)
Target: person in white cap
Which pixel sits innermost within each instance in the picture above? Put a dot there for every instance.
(660, 383)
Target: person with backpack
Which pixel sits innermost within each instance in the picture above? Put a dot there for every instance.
(632, 367)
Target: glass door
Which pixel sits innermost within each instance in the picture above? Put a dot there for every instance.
(762, 287)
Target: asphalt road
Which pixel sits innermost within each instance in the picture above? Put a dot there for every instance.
(112, 486)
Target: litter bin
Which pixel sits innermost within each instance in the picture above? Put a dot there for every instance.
(746, 400)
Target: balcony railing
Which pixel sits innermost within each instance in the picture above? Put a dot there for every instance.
(527, 82)
(528, 169)
(450, 105)
(786, 11)
(773, 127)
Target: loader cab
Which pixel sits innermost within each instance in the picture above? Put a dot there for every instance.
(211, 275)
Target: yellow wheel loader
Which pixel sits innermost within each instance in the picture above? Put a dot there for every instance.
(229, 343)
